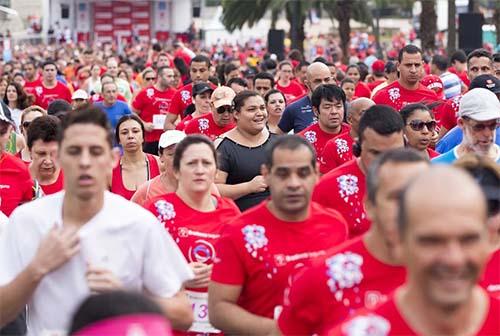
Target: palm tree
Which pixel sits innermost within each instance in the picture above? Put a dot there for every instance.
(452, 28)
(428, 24)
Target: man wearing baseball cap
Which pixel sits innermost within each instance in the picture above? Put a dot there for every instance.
(165, 182)
(79, 98)
(478, 117)
(220, 120)
(377, 73)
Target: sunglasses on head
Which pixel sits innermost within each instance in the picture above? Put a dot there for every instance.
(481, 126)
(418, 125)
(224, 108)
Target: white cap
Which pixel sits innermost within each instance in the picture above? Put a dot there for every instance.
(171, 137)
(479, 104)
(80, 94)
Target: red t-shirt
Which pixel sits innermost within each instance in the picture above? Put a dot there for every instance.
(303, 87)
(261, 252)
(16, 185)
(149, 102)
(182, 124)
(387, 320)
(462, 75)
(206, 125)
(491, 277)
(349, 277)
(29, 87)
(291, 92)
(49, 189)
(182, 99)
(319, 138)
(374, 84)
(449, 112)
(343, 189)
(397, 96)
(362, 90)
(336, 152)
(117, 185)
(44, 96)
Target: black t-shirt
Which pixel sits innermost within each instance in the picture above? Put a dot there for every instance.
(242, 164)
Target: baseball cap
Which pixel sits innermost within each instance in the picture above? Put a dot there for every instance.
(479, 104)
(223, 95)
(250, 72)
(378, 67)
(79, 94)
(434, 83)
(489, 82)
(171, 137)
(5, 114)
(200, 88)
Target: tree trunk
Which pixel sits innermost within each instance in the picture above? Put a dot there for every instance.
(496, 20)
(452, 28)
(343, 16)
(274, 18)
(296, 18)
(428, 27)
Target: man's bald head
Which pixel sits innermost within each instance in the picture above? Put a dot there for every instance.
(437, 192)
(317, 73)
(357, 108)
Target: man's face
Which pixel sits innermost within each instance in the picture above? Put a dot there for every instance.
(478, 135)
(496, 69)
(374, 144)
(291, 179)
(202, 102)
(109, 93)
(87, 160)
(167, 159)
(76, 103)
(392, 179)
(44, 158)
(88, 59)
(162, 61)
(356, 112)
(29, 71)
(262, 86)
(166, 77)
(410, 68)
(199, 72)
(286, 72)
(479, 66)
(112, 68)
(301, 73)
(225, 118)
(445, 251)
(331, 114)
(49, 73)
(318, 76)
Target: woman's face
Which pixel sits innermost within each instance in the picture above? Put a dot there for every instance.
(275, 104)
(95, 71)
(28, 118)
(197, 169)
(131, 137)
(417, 129)
(167, 159)
(353, 73)
(123, 76)
(11, 93)
(349, 89)
(252, 116)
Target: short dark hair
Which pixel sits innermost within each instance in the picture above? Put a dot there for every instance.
(320, 59)
(302, 64)
(111, 304)
(194, 139)
(160, 69)
(383, 119)
(363, 70)
(126, 118)
(59, 108)
(45, 128)
(291, 142)
(229, 67)
(441, 62)
(49, 62)
(409, 49)
(390, 67)
(458, 56)
(237, 80)
(496, 57)
(271, 92)
(264, 75)
(398, 155)
(282, 63)
(88, 114)
(240, 99)
(200, 59)
(478, 53)
(407, 111)
(327, 92)
(346, 80)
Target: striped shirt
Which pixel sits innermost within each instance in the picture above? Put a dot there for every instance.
(452, 84)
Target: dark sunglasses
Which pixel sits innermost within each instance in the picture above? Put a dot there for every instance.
(481, 127)
(418, 125)
(26, 124)
(223, 109)
(150, 78)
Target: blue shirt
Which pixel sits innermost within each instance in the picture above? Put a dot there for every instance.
(115, 111)
(297, 116)
(454, 137)
(451, 156)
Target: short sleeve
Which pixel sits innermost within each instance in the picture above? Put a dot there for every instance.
(176, 105)
(138, 102)
(286, 121)
(224, 157)
(165, 268)
(10, 257)
(228, 266)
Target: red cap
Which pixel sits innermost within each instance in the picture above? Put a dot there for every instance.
(378, 66)
(434, 83)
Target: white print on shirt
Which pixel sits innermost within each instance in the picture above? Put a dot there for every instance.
(370, 325)
(341, 146)
(203, 124)
(150, 93)
(455, 104)
(311, 136)
(344, 271)
(348, 185)
(394, 94)
(165, 210)
(185, 96)
(39, 90)
(255, 238)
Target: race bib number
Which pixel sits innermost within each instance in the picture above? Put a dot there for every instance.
(159, 121)
(199, 304)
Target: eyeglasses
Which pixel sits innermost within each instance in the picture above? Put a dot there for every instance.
(149, 78)
(26, 124)
(224, 108)
(482, 126)
(418, 125)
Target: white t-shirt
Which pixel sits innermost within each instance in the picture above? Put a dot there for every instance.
(3, 222)
(123, 238)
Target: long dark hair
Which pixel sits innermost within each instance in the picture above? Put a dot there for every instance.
(125, 118)
(23, 99)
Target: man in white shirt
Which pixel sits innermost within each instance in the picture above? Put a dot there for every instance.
(57, 250)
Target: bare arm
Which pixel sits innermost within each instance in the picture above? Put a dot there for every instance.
(169, 121)
(177, 309)
(227, 316)
(235, 191)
